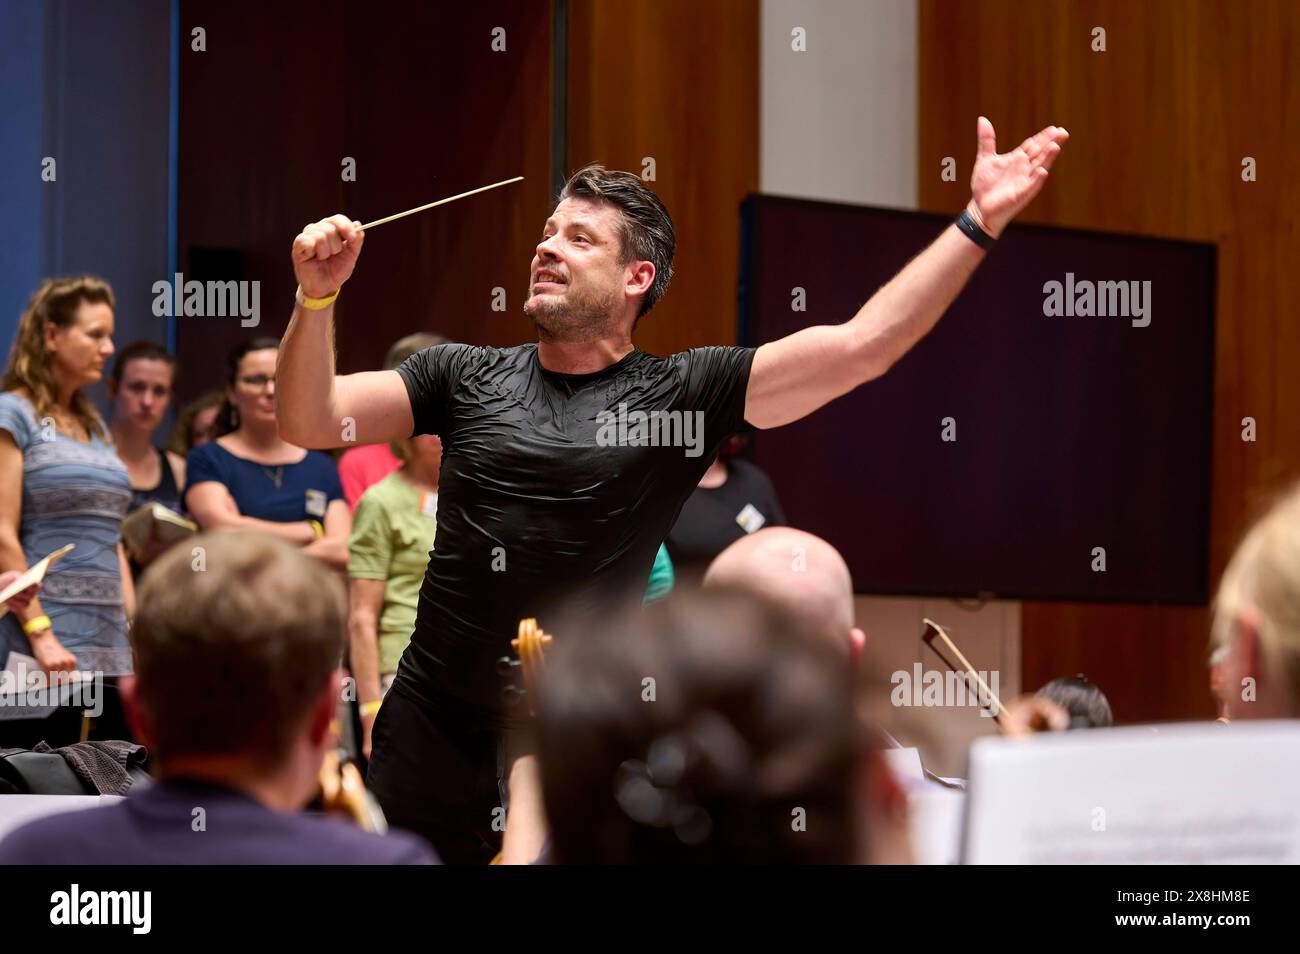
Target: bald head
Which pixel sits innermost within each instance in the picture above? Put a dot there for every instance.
(797, 570)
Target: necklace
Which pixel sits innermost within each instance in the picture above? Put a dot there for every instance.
(275, 475)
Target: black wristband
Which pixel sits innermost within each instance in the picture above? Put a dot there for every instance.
(970, 228)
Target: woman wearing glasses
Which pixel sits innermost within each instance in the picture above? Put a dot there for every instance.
(250, 479)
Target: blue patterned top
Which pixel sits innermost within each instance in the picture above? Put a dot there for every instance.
(72, 493)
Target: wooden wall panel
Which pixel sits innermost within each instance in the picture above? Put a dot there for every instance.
(416, 95)
(676, 80)
(1159, 123)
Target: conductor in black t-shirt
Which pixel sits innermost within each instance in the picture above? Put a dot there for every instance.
(566, 461)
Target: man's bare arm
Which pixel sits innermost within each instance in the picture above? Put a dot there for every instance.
(314, 406)
(796, 375)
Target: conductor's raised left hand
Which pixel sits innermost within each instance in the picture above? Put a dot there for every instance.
(1002, 184)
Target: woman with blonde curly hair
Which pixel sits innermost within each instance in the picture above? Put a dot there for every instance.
(61, 482)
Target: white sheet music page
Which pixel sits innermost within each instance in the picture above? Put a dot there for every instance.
(1201, 793)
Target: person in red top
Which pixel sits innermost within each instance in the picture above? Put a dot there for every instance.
(362, 467)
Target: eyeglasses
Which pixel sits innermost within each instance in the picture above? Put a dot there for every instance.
(256, 381)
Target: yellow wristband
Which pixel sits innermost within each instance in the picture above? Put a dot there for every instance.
(36, 624)
(370, 708)
(317, 528)
(314, 304)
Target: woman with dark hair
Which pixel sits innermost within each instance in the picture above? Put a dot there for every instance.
(1084, 703)
(249, 478)
(709, 728)
(141, 386)
(61, 482)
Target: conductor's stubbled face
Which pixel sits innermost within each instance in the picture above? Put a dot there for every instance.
(577, 283)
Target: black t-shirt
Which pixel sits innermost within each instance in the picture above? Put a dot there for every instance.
(713, 518)
(551, 489)
(164, 492)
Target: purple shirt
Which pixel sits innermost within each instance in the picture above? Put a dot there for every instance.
(158, 827)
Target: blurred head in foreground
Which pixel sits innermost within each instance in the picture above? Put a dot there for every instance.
(237, 645)
(1257, 618)
(708, 728)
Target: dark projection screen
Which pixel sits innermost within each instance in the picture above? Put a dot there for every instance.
(1073, 442)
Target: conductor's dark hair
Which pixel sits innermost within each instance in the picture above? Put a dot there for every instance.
(708, 728)
(647, 229)
(1087, 705)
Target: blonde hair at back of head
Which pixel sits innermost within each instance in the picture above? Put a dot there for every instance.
(1263, 581)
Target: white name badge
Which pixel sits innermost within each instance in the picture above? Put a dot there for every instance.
(750, 519)
(429, 503)
(316, 503)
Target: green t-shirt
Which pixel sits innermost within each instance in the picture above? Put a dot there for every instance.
(392, 534)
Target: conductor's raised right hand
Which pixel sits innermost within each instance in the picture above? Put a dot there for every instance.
(325, 253)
